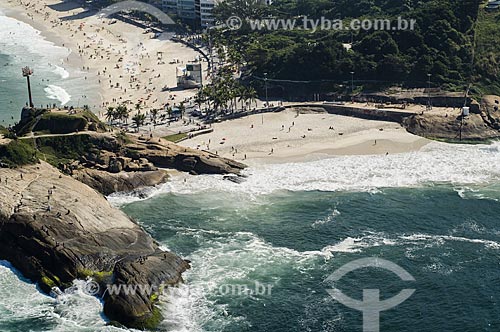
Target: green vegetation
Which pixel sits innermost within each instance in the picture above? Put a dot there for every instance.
(225, 92)
(176, 137)
(47, 283)
(58, 123)
(442, 44)
(64, 149)
(487, 62)
(120, 113)
(3, 131)
(18, 153)
(42, 122)
(98, 276)
(123, 138)
(139, 119)
(150, 321)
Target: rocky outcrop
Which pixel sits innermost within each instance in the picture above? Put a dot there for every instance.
(431, 125)
(114, 162)
(165, 154)
(107, 183)
(490, 109)
(54, 229)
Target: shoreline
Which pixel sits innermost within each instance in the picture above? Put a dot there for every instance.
(121, 61)
(72, 64)
(285, 137)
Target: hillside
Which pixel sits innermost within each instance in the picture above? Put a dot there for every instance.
(487, 61)
(441, 44)
(108, 160)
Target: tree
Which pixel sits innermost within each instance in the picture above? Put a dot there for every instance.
(110, 114)
(122, 113)
(154, 114)
(138, 107)
(182, 109)
(139, 120)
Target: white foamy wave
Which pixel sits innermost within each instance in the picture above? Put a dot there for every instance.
(57, 93)
(326, 220)
(61, 72)
(440, 239)
(122, 198)
(229, 257)
(236, 256)
(436, 163)
(72, 311)
(17, 37)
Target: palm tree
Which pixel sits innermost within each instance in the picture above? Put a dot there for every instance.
(252, 95)
(182, 108)
(243, 96)
(138, 107)
(122, 113)
(139, 120)
(154, 115)
(110, 114)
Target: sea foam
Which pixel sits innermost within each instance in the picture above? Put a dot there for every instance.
(17, 38)
(57, 93)
(436, 163)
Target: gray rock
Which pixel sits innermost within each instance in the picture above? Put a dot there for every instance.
(81, 236)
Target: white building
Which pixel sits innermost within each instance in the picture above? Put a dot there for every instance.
(185, 9)
(204, 15)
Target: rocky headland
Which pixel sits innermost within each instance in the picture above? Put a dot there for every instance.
(55, 224)
(482, 123)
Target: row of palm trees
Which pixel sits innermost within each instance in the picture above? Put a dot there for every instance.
(225, 93)
(121, 114)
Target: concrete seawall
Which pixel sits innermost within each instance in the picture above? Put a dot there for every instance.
(346, 110)
(363, 113)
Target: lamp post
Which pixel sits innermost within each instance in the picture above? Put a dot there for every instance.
(27, 72)
(429, 104)
(267, 99)
(352, 82)
(352, 86)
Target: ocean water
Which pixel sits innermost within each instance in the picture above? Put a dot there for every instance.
(53, 82)
(288, 227)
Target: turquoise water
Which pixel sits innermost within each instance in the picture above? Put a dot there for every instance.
(289, 226)
(295, 240)
(53, 81)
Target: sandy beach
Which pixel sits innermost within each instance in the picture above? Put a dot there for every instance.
(129, 66)
(288, 137)
(126, 64)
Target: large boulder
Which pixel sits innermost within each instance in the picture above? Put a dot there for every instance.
(164, 154)
(107, 183)
(55, 229)
(450, 126)
(490, 108)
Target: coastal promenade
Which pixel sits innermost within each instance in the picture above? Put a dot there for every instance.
(359, 110)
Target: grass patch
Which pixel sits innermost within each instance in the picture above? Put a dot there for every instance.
(58, 123)
(98, 276)
(487, 48)
(18, 153)
(150, 322)
(64, 149)
(123, 138)
(3, 131)
(176, 137)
